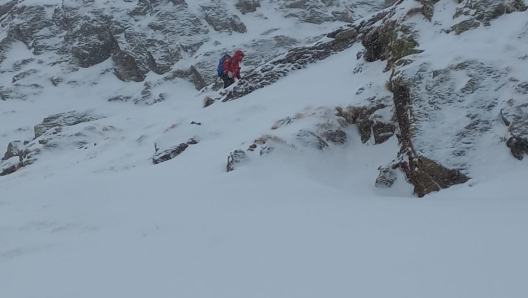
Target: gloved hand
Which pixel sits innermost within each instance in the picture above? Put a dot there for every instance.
(230, 75)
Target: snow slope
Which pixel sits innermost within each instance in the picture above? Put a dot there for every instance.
(286, 226)
(299, 222)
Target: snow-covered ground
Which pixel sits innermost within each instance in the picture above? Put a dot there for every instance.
(103, 221)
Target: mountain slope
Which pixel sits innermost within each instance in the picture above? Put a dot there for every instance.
(299, 181)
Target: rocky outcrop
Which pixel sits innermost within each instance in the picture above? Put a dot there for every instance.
(64, 119)
(482, 12)
(391, 42)
(425, 174)
(369, 120)
(14, 149)
(60, 137)
(166, 154)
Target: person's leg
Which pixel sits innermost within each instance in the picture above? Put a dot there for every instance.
(227, 80)
(230, 81)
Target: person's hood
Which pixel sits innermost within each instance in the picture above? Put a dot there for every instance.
(239, 55)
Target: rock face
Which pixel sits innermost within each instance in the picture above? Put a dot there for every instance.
(135, 38)
(445, 112)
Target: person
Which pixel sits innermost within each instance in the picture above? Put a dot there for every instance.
(229, 68)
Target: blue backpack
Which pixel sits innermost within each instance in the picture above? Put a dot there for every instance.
(220, 69)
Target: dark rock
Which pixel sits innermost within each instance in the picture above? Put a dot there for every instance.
(234, 158)
(391, 42)
(382, 131)
(168, 154)
(518, 146)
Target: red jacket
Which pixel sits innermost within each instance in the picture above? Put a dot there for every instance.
(232, 64)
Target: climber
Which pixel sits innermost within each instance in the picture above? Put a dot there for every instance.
(229, 68)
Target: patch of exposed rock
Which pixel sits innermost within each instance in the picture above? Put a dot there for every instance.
(370, 120)
(247, 6)
(61, 136)
(64, 119)
(165, 154)
(482, 12)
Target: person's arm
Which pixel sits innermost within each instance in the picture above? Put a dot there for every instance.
(236, 69)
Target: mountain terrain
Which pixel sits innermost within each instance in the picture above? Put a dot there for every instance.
(371, 148)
